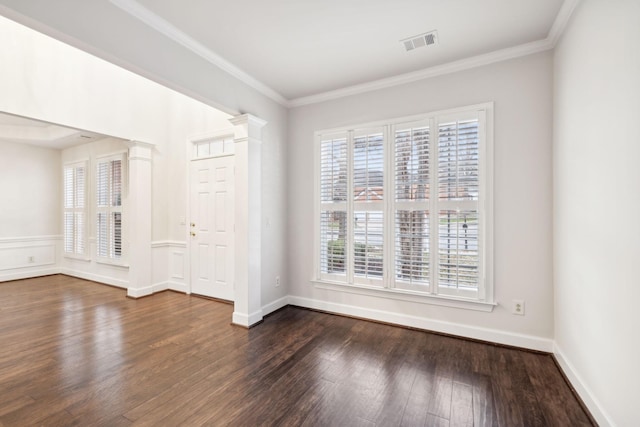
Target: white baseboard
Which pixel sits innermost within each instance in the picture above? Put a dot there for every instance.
(28, 274)
(140, 292)
(467, 331)
(178, 287)
(247, 321)
(160, 287)
(95, 278)
(596, 409)
(275, 305)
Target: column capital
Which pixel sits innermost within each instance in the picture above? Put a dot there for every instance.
(247, 126)
(139, 150)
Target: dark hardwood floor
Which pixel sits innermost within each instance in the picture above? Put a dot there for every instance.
(74, 352)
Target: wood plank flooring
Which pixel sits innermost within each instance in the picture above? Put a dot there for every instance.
(74, 352)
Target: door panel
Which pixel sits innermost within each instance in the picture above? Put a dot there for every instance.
(212, 234)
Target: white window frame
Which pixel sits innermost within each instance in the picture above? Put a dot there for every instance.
(481, 299)
(75, 209)
(110, 258)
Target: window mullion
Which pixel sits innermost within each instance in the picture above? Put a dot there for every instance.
(389, 217)
(349, 256)
(433, 205)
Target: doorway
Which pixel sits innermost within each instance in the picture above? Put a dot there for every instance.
(211, 235)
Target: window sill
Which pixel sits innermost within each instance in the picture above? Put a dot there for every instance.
(112, 263)
(77, 257)
(404, 295)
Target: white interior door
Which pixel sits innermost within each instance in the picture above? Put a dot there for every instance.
(212, 227)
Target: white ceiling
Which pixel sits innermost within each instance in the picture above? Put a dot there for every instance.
(300, 48)
(304, 47)
(33, 132)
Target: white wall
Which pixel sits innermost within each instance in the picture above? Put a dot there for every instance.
(521, 89)
(34, 172)
(596, 205)
(30, 211)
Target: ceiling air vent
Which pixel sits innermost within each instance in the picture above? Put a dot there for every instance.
(422, 40)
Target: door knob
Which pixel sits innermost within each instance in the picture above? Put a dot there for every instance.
(193, 224)
(193, 234)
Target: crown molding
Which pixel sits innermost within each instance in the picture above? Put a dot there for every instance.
(154, 21)
(556, 31)
(438, 70)
(562, 20)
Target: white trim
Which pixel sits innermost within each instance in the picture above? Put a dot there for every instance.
(438, 70)
(159, 287)
(219, 133)
(406, 295)
(168, 244)
(142, 292)
(75, 257)
(588, 397)
(561, 21)
(275, 305)
(247, 321)
(95, 278)
(154, 21)
(156, 288)
(30, 238)
(402, 120)
(120, 154)
(28, 274)
(178, 287)
(99, 260)
(451, 328)
(30, 265)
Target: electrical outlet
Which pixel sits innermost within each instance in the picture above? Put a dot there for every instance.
(277, 281)
(518, 307)
(31, 259)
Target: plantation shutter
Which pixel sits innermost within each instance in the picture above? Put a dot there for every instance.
(109, 221)
(412, 167)
(368, 204)
(74, 189)
(116, 209)
(333, 201)
(458, 210)
(102, 180)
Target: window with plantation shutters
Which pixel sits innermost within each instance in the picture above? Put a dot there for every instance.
(74, 227)
(458, 209)
(109, 208)
(368, 204)
(333, 205)
(412, 205)
(406, 205)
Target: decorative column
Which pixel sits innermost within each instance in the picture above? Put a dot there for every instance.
(139, 219)
(248, 210)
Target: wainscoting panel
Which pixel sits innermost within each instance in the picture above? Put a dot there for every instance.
(29, 256)
(169, 266)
